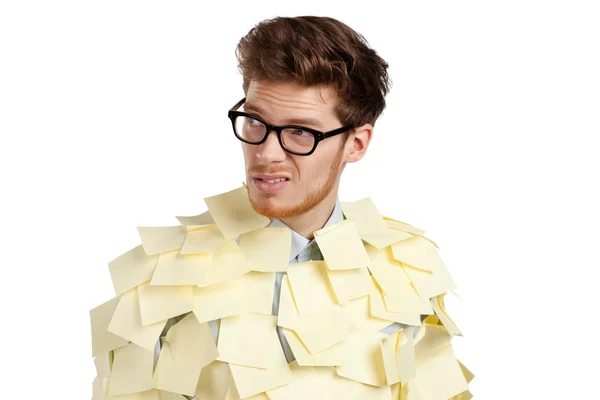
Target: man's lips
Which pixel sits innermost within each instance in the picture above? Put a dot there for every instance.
(270, 177)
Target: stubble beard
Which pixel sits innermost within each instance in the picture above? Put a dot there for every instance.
(310, 200)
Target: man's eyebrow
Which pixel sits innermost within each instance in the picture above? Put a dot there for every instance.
(308, 122)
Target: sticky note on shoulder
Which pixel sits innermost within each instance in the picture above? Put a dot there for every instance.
(341, 246)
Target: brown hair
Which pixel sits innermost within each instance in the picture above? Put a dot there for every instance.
(318, 51)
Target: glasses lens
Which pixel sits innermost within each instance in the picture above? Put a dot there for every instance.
(250, 129)
(297, 140)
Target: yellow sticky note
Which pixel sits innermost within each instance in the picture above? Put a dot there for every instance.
(160, 239)
(304, 384)
(219, 301)
(349, 389)
(159, 303)
(405, 354)
(252, 381)
(131, 269)
(388, 355)
(127, 322)
(466, 372)
(197, 220)
(267, 249)
(402, 226)
(187, 348)
(359, 314)
(321, 330)
(227, 263)
(437, 304)
(213, 381)
(466, 395)
(371, 227)
(438, 375)
(170, 396)
(203, 240)
(248, 339)
(332, 356)
(99, 388)
(349, 284)
(147, 395)
(341, 246)
(288, 316)
(132, 370)
(435, 337)
(175, 269)
(363, 359)
(378, 309)
(103, 364)
(102, 339)
(409, 391)
(310, 286)
(418, 256)
(233, 394)
(258, 288)
(234, 214)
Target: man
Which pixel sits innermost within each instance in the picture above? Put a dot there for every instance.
(313, 92)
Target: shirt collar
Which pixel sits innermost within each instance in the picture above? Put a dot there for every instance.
(299, 242)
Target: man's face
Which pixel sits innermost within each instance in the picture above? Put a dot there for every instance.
(311, 179)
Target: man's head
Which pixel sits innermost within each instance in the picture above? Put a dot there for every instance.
(307, 68)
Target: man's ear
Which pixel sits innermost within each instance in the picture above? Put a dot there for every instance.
(358, 143)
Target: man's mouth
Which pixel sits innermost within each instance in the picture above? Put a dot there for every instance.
(274, 180)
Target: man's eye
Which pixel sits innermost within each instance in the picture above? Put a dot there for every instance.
(299, 132)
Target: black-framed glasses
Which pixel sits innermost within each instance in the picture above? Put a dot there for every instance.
(294, 139)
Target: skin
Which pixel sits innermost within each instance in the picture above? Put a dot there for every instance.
(307, 201)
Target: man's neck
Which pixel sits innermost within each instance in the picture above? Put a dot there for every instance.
(313, 220)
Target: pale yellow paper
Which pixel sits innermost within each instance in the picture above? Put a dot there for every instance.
(409, 392)
(219, 301)
(437, 303)
(398, 293)
(267, 249)
(132, 370)
(310, 287)
(253, 381)
(213, 381)
(159, 303)
(463, 396)
(403, 226)
(332, 356)
(319, 331)
(388, 354)
(248, 339)
(233, 394)
(251, 292)
(103, 340)
(288, 316)
(341, 246)
(363, 361)
(127, 322)
(103, 364)
(349, 389)
(466, 372)
(349, 284)
(190, 348)
(378, 309)
(371, 227)
(160, 239)
(227, 263)
(405, 354)
(435, 337)
(438, 375)
(99, 388)
(234, 214)
(304, 384)
(197, 220)
(359, 314)
(203, 240)
(170, 396)
(131, 269)
(423, 253)
(147, 395)
(175, 269)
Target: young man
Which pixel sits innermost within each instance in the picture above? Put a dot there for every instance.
(280, 290)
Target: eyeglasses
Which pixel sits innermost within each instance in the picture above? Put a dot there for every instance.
(294, 139)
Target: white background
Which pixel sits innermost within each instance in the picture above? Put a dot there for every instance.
(113, 116)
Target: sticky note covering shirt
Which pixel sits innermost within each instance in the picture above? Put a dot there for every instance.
(243, 307)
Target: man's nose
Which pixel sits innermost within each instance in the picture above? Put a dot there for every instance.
(270, 149)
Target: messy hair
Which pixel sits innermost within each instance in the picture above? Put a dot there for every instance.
(313, 51)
